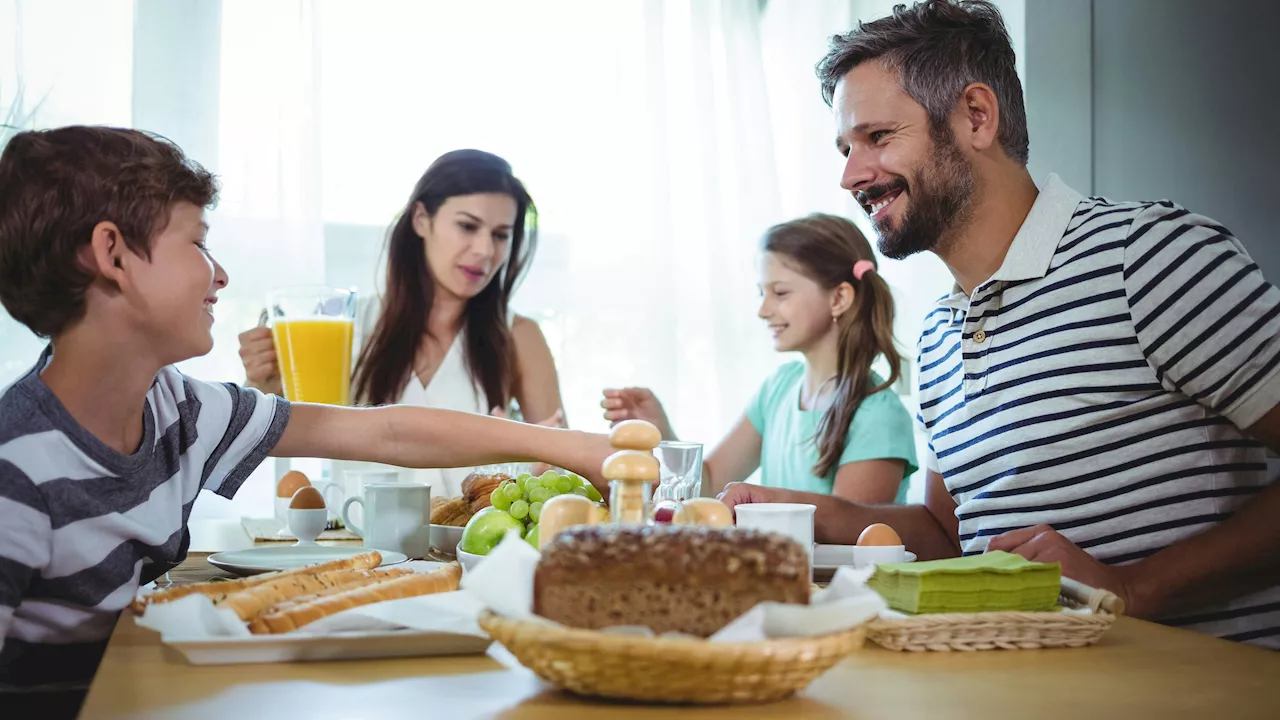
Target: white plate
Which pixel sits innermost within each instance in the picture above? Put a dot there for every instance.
(272, 558)
(297, 647)
(820, 565)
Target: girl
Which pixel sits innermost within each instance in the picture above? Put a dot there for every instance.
(827, 424)
(443, 335)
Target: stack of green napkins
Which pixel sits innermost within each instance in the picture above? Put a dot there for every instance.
(990, 582)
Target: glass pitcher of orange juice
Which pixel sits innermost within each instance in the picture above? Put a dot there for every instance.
(313, 329)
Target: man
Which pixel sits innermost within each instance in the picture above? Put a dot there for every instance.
(1100, 386)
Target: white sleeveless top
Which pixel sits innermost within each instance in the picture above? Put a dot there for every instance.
(450, 388)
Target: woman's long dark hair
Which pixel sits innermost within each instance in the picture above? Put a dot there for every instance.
(825, 248)
(386, 362)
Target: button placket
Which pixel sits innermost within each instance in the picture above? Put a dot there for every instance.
(978, 341)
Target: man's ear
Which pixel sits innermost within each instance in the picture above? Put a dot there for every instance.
(421, 221)
(981, 113)
(105, 255)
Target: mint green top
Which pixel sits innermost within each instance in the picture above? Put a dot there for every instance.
(881, 429)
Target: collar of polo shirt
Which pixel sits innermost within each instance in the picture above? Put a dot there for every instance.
(1037, 240)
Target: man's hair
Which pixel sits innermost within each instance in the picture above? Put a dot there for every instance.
(56, 186)
(937, 48)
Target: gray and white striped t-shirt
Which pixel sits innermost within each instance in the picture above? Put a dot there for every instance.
(1098, 383)
(84, 525)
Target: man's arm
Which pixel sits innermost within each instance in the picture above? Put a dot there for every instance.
(429, 438)
(927, 530)
(1235, 557)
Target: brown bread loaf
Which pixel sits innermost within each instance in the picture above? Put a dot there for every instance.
(686, 579)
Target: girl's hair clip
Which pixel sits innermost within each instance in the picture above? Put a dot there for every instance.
(861, 267)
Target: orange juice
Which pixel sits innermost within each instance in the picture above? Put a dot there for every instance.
(314, 355)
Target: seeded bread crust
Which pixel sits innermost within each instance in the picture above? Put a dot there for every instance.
(686, 579)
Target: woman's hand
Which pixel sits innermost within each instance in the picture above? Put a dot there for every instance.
(258, 355)
(636, 404)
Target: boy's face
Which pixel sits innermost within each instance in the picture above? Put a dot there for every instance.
(176, 290)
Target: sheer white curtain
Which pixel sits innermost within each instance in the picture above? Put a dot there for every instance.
(658, 137)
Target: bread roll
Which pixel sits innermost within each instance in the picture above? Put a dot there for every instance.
(688, 579)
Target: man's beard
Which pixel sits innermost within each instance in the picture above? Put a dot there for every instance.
(941, 201)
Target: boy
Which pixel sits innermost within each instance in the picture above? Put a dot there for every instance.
(104, 445)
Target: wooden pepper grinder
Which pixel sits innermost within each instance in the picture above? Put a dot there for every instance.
(631, 471)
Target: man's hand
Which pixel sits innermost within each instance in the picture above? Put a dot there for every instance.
(1042, 543)
(739, 493)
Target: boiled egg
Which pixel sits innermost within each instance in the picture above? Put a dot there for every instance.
(879, 534)
(307, 498)
(290, 482)
(563, 512)
(704, 511)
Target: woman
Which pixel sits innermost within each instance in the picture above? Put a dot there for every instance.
(443, 335)
(829, 423)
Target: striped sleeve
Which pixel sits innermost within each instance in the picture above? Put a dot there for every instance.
(245, 425)
(25, 537)
(1207, 321)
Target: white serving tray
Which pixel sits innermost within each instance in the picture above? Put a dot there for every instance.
(301, 647)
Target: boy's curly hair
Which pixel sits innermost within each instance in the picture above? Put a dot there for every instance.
(57, 185)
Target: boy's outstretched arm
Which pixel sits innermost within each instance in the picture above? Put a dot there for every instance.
(428, 438)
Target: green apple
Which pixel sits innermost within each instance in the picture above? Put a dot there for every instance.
(531, 536)
(486, 529)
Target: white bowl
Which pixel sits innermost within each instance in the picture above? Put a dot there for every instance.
(468, 560)
(445, 538)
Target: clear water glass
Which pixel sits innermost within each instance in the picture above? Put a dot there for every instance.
(679, 470)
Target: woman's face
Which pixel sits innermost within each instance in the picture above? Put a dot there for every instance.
(467, 241)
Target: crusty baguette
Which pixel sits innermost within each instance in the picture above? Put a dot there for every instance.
(443, 580)
(220, 591)
(250, 603)
(373, 577)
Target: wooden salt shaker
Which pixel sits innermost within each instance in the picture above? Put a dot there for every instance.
(631, 471)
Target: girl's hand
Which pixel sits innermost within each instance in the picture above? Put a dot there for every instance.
(635, 404)
(258, 355)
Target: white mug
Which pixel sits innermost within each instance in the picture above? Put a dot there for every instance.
(795, 520)
(397, 516)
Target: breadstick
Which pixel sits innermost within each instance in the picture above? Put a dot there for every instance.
(250, 603)
(437, 581)
(374, 577)
(219, 591)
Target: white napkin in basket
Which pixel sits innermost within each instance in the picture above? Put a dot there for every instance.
(503, 582)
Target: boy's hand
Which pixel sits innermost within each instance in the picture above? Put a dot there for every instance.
(258, 355)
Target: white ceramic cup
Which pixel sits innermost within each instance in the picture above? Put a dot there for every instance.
(397, 516)
(795, 520)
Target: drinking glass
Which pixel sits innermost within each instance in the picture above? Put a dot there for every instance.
(313, 328)
(679, 470)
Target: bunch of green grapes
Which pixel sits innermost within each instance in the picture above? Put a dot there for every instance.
(523, 497)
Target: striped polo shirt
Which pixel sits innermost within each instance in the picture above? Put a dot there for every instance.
(1098, 383)
(84, 525)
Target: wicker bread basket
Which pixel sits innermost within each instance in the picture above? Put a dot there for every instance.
(669, 670)
(1005, 630)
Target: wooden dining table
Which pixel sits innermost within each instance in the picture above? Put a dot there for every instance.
(1138, 670)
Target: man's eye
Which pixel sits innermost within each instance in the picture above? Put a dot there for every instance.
(879, 135)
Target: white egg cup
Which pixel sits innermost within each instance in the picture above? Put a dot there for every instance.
(306, 525)
(864, 555)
